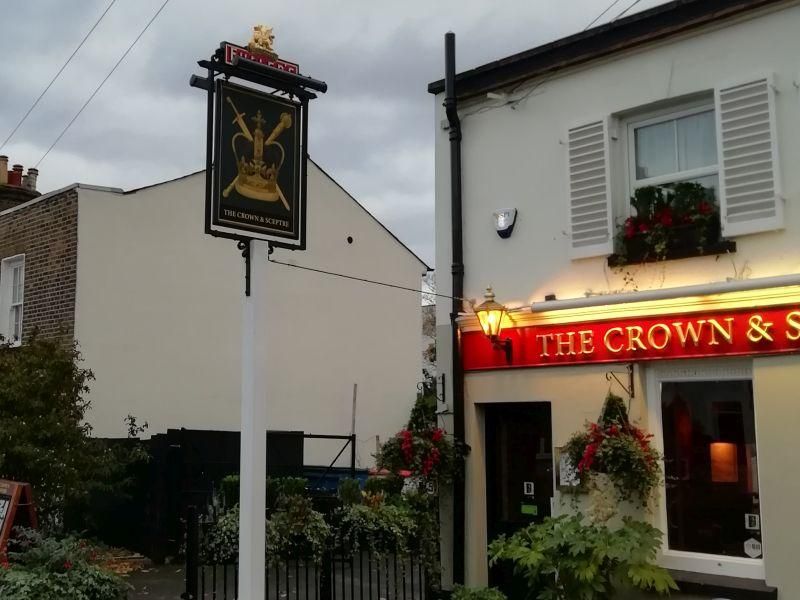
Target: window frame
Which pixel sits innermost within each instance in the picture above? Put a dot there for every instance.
(671, 113)
(687, 370)
(7, 267)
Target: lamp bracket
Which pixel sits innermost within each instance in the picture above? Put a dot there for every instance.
(629, 389)
(505, 346)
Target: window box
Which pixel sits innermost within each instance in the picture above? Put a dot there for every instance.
(670, 221)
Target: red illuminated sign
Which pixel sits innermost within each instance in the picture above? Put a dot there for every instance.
(232, 50)
(724, 333)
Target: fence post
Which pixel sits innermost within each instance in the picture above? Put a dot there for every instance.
(192, 553)
(325, 588)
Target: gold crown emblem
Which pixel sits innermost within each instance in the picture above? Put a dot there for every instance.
(258, 169)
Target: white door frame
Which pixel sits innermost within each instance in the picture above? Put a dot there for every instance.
(686, 370)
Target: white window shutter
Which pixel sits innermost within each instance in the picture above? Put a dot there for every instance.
(749, 195)
(589, 190)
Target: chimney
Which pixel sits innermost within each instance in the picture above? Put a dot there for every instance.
(15, 176)
(16, 188)
(33, 175)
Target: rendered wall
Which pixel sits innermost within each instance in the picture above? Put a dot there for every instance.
(159, 318)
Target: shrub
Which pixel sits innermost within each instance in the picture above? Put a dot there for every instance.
(391, 485)
(44, 438)
(46, 568)
(349, 491)
(380, 528)
(294, 530)
(230, 490)
(461, 592)
(565, 559)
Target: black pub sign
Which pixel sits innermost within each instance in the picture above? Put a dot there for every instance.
(257, 165)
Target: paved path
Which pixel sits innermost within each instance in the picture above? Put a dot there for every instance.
(160, 582)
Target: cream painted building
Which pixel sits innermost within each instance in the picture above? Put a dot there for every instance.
(566, 133)
(156, 308)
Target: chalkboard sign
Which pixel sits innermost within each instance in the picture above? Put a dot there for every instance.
(15, 495)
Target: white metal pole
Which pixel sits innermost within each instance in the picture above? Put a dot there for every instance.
(253, 449)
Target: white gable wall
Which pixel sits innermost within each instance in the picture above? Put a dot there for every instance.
(159, 310)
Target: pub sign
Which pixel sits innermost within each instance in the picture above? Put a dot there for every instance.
(257, 165)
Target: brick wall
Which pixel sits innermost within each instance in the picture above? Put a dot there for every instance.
(47, 233)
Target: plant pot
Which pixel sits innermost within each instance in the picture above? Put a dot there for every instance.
(603, 498)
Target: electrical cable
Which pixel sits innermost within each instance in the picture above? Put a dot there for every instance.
(635, 2)
(363, 280)
(513, 103)
(600, 16)
(53, 80)
(110, 73)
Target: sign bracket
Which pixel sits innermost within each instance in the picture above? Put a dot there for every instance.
(629, 389)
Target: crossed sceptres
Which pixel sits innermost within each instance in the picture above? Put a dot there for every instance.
(284, 123)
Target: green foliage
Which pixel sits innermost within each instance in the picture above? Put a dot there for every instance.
(349, 491)
(461, 592)
(391, 485)
(220, 543)
(381, 528)
(668, 216)
(614, 411)
(44, 438)
(565, 559)
(230, 490)
(423, 413)
(46, 568)
(294, 530)
(292, 486)
(430, 454)
(620, 450)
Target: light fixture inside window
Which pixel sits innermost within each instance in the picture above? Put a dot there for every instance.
(724, 462)
(490, 315)
(504, 220)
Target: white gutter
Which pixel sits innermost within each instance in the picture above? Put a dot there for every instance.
(705, 289)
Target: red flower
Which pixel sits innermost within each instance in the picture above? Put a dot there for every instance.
(665, 218)
(435, 456)
(437, 435)
(67, 565)
(407, 445)
(588, 458)
(704, 208)
(644, 228)
(613, 430)
(630, 227)
(404, 473)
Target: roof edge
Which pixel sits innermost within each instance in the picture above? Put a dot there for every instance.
(48, 195)
(428, 269)
(647, 26)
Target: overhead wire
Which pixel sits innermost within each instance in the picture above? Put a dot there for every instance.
(106, 78)
(635, 2)
(363, 280)
(56, 76)
(512, 103)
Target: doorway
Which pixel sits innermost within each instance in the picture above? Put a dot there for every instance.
(519, 472)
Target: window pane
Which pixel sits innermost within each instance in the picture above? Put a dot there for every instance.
(16, 285)
(711, 466)
(16, 323)
(655, 150)
(697, 141)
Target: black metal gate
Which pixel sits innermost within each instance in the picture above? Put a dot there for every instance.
(341, 575)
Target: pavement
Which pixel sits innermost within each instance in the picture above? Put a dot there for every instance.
(159, 582)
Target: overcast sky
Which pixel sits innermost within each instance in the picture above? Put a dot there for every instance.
(372, 131)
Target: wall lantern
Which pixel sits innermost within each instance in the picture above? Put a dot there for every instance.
(490, 314)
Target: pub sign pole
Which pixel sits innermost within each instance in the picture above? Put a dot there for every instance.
(255, 193)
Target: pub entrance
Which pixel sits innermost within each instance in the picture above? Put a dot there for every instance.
(519, 473)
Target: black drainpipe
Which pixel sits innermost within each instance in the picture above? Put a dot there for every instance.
(451, 110)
